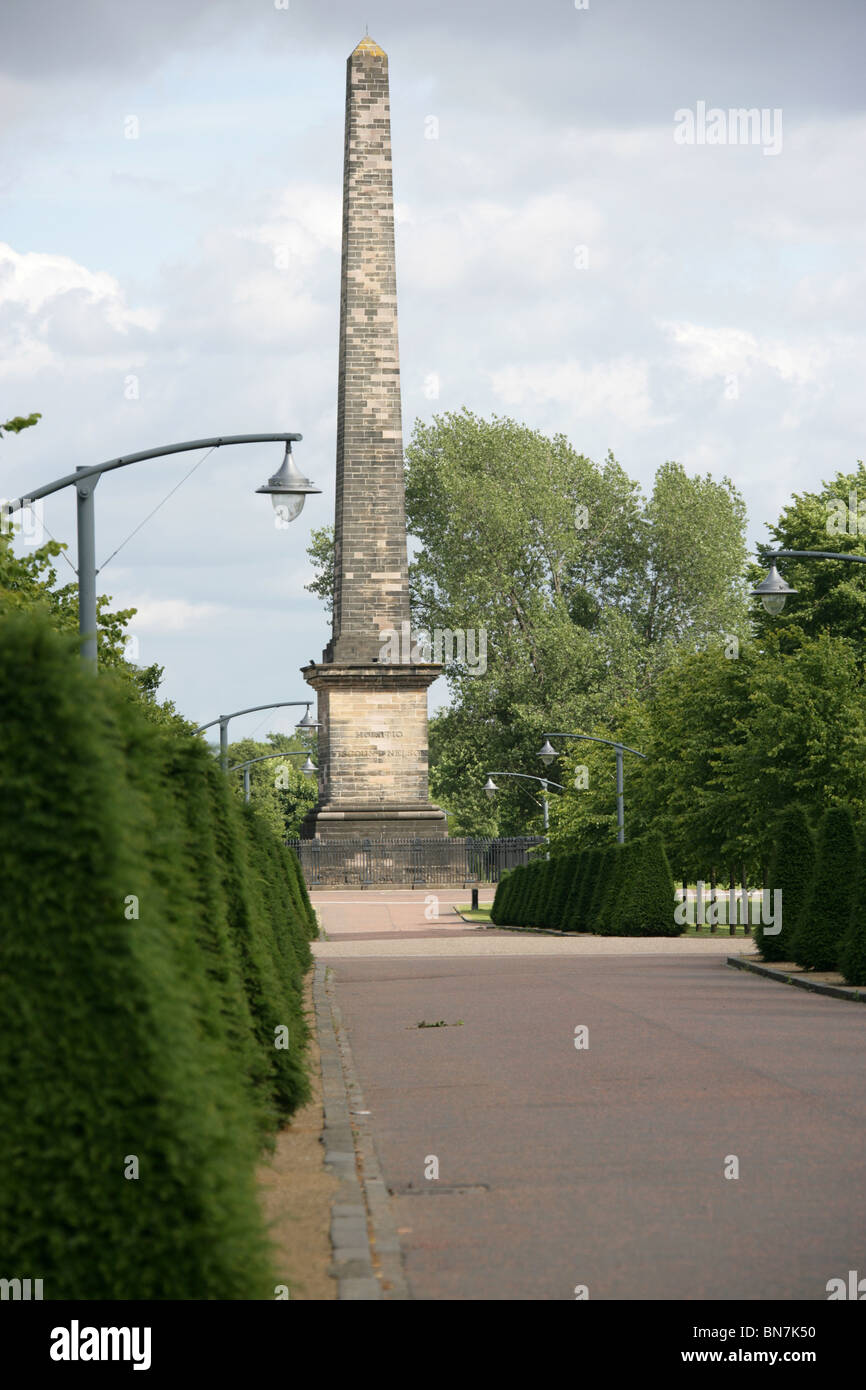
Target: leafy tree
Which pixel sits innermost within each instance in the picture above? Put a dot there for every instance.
(584, 591)
(831, 594)
(28, 582)
(730, 743)
(279, 790)
(321, 552)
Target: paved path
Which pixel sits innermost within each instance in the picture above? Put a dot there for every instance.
(402, 924)
(605, 1166)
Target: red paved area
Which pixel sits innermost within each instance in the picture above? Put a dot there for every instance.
(605, 1166)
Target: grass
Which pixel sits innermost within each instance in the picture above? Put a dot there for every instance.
(482, 914)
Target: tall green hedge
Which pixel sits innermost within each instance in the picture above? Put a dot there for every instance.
(545, 890)
(504, 892)
(568, 866)
(791, 870)
(142, 962)
(582, 889)
(826, 917)
(852, 955)
(645, 891)
(621, 889)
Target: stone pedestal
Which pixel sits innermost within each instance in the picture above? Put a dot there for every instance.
(372, 753)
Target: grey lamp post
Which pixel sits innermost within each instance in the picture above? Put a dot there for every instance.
(287, 488)
(491, 789)
(223, 720)
(548, 754)
(773, 591)
(309, 768)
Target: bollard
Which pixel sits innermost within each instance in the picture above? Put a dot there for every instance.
(474, 899)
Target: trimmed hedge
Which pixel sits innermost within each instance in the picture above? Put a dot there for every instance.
(827, 914)
(567, 868)
(852, 956)
(144, 964)
(504, 893)
(646, 892)
(791, 871)
(624, 890)
(582, 889)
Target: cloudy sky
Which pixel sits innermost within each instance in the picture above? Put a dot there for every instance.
(169, 266)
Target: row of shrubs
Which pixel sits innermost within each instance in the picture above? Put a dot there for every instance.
(154, 937)
(620, 890)
(822, 880)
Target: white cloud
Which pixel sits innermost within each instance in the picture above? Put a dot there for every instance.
(619, 389)
(169, 614)
(36, 279)
(708, 352)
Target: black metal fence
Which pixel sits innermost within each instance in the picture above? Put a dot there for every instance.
(409, 862)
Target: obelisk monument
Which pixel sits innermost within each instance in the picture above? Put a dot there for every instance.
(372, 710)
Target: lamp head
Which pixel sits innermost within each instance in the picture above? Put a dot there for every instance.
(288, 488)
(491, 788)
(773, 591)
(548, 753)
(307, 722)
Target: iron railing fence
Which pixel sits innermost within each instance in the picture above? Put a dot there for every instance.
(412, 862)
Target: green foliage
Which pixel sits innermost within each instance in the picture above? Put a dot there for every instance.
(567, 867)
(730, 743)
(582, 889)
(278, 789)
(149, 947)
(610, 886)
(19, 423)
(321, 552)
(585, 591)
(826, 918)
(791, 871)
(852, 956)
(628, 890)
(645, 891)
(831, 594)
(504, 894)
(28, 582)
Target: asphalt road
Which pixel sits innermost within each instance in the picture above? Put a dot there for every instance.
(605, 1166)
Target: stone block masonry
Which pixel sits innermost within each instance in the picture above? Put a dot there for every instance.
(373, 737)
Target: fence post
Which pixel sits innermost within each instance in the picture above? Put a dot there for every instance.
(747, 928)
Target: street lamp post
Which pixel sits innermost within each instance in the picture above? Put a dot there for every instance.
(287, 489)
(308, 769)
(223, 720)
(548, 754)
(773, 591)
(491, 789)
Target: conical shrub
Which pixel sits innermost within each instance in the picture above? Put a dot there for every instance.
(827, 914)
(645, 891)
(852, 956)
(791, 871)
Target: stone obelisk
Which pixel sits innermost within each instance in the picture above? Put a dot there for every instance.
(372, 709)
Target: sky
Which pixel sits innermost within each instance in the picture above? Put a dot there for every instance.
(586, 241)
